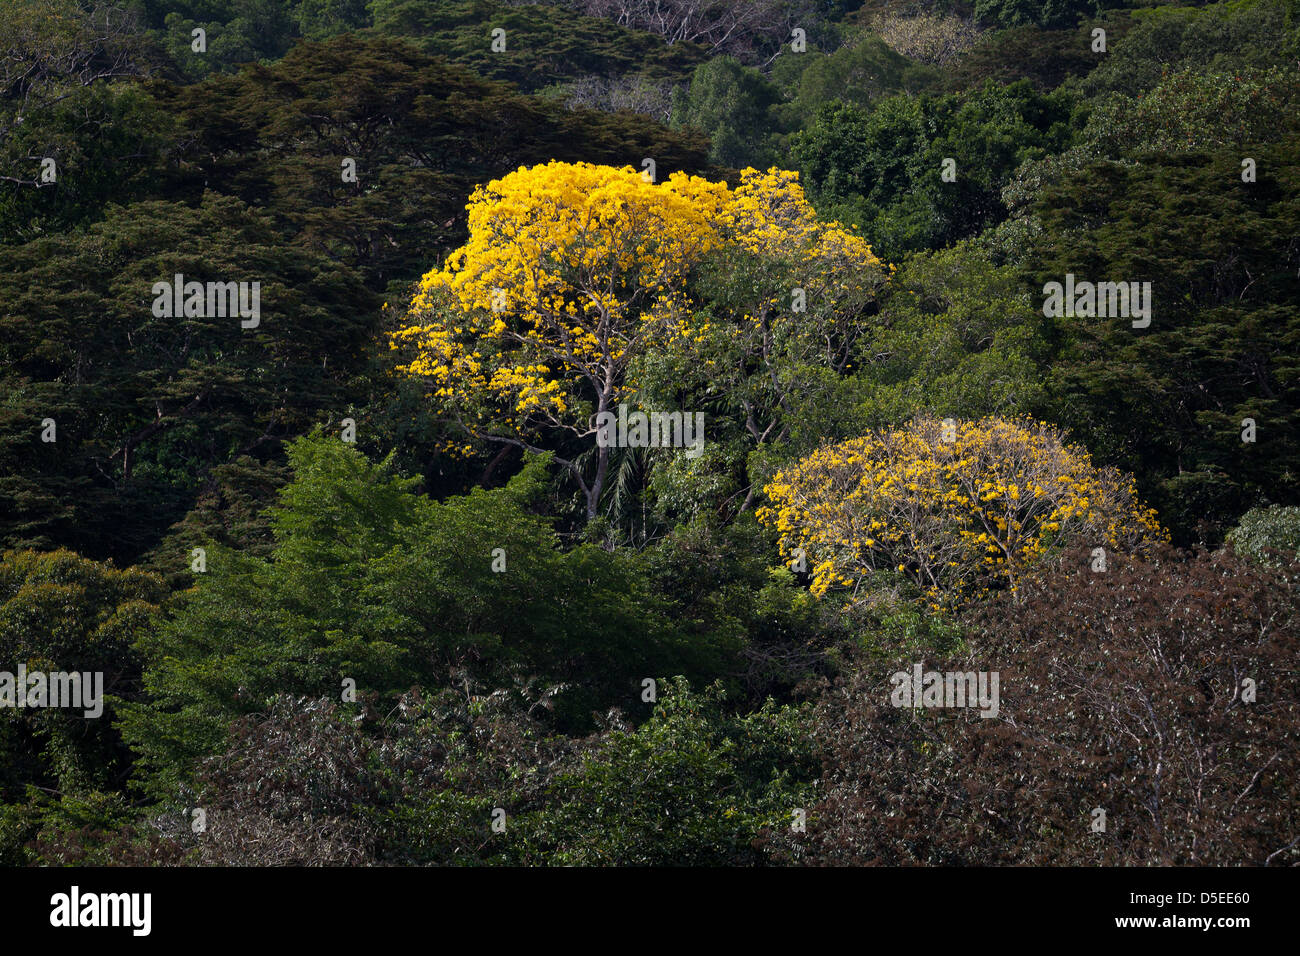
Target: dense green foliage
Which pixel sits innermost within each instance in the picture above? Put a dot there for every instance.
(1170, 402)
(883, 168)
(60, 612)
(369, 582)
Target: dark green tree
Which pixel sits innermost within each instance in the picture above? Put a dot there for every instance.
(60, 612)
(733, 104)
(1169, 402)
(884, 168)
(139, 406)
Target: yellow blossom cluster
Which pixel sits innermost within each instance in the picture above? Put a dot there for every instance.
(572, 270)
(957, 508)
(770, 215)
(564, 264)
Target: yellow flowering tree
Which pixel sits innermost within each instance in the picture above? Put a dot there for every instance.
(574, 271)
(957, 508)
(569, 271)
